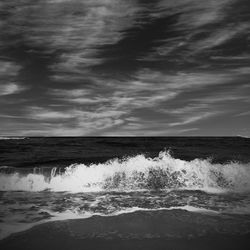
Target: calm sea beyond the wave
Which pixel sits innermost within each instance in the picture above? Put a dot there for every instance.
(148, 192)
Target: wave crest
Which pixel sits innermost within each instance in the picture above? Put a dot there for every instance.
(133, 174)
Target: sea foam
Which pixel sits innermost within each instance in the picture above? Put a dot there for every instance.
(133, 174)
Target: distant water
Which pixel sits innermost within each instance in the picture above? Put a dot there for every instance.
(44, 179)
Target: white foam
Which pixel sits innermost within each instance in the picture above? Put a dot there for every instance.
(195, 209)
(136, 173)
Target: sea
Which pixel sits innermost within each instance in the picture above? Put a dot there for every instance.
(44, 179)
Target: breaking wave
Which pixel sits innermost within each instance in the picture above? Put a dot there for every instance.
(132, 174)
(11, 138)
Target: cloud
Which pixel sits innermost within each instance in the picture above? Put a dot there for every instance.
(246, 113)
(8, 68)
(11, 116)
(135, 126)
(70, 93)
(8, 71)
(224, 101)
(72, 121)
(78, 96)
(219, 36)
(97, 66)
(124, 98)
(45, 114)
(203, 35)
(197, 12)
(242, 70)
(76, 29)
(122, 95)
(227, 96)
(82, 36)
(10, 89)
(191, 119)
(232, 58)
(8, 75)
(197, 28)
(182, 81)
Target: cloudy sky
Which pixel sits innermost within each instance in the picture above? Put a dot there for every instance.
(124, 67)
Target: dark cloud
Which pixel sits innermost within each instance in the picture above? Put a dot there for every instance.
(124, 67)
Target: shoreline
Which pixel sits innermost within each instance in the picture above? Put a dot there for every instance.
(138, 230)
(67, 217)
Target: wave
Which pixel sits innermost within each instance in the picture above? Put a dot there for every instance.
(132, 174)
(11, 138)
(243, 136)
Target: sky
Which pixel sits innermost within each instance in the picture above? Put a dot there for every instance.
(125, 67)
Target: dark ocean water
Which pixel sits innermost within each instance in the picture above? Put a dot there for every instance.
(46, 179)
(56, 151)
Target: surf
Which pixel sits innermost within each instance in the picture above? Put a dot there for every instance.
(131, 174)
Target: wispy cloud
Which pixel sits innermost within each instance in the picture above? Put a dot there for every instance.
(70, 93)
(9, 89)
(127, 97)
(135, 126)
(8, 72)
(182, 81)
(46, 114)
(8, 69)
(187, 119)
(239, 57)
(72, 121)
(246, 113)
(197, 29)
(74, 30)
(219, 37)
(197, 12)
(8, 75)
